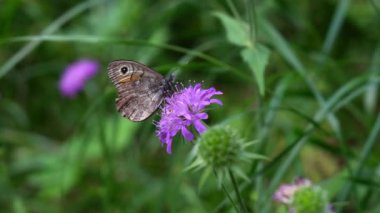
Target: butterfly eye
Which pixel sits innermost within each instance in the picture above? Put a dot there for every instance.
(124, 70)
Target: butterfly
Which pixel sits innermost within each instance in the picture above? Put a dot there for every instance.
(141, 90)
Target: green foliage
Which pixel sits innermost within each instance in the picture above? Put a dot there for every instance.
(300, 77)
(257, 59)
(237, 32)
(254, 54)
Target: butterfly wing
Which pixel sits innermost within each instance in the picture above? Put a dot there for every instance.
(139, 89)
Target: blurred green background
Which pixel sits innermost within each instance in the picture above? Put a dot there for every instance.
(300, 77)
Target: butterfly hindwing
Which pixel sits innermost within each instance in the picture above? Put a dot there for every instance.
(140, 89)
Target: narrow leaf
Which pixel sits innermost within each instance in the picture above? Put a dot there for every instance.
(257, 60)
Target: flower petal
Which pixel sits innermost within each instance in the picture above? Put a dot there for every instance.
(216, 101)
(199, 126)
(169, 147)
(187, 134)
(202, 116)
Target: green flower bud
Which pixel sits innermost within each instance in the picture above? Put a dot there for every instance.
(220, 147)
(310, 200)
(219, 150)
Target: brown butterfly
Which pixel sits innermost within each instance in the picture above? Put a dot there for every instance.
(141, 90)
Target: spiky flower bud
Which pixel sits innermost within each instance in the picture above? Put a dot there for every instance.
(220, 149)
(311, 200)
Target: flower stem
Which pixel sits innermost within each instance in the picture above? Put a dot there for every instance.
(227, 194)
(230, 198)
(241, 203)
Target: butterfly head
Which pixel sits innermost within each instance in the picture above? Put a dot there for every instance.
(171, 86)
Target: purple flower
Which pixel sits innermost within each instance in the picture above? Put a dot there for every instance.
(75, 76)
(182, 109)
(285, 192)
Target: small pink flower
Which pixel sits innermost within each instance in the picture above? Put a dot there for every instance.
(285, 192)
(76, 75)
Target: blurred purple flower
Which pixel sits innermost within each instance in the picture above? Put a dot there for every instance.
(182, 109)
(75, 76)
(285, 192)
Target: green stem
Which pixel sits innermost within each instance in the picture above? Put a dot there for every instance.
(230, 198)
(227, 194)
(241, 203)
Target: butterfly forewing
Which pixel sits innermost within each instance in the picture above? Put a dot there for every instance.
(140, 89)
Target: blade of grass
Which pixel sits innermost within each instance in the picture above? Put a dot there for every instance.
(376, 7)
(102, 40)
(351, 86)
(281, 45)
(263, 134)
(108, 176)
(53, 27)
(335, 26)
(370, 99)
(368, 147)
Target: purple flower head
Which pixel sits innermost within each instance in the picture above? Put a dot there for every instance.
(285, 192)
(182, 109)
(75, 76)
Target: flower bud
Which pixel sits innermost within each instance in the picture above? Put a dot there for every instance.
(310, 200)
(221, 150)
(220, 147)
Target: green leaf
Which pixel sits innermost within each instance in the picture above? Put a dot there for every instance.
(237, 31)
(257, 60)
